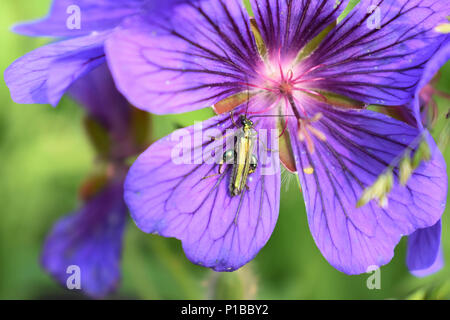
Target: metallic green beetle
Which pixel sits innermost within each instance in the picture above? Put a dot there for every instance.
(242, 157)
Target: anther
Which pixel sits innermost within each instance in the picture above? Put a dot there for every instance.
(305, 130)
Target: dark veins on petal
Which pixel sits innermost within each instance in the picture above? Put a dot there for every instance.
(289, 25)
(209, 52)
(349, 160)
(380, 66)
(217, 230)
(224, 39)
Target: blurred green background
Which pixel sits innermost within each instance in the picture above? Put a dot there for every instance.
(45, 155)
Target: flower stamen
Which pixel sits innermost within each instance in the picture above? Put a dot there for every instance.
(258, 87)
(270, 107)
(305, 128)
(308, 71)
(315, 93)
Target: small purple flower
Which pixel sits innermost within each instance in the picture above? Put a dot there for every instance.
(213, 53)
(112, 114)
(44, 75)
(91, 238)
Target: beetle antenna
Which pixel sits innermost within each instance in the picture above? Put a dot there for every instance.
(272, 116)
(248, 97)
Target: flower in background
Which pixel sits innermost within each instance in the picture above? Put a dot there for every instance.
(45, 74)
(428, 107)
(290, 59)
(425, 107)
(91, 238)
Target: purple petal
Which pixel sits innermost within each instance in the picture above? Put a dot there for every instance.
(424, 256)
(43, 75)
(97, 93)
(95, 15)
(431, 69)
(380, 66)
(208, 52)
(290, 25)
(90, 239)
(203, 56)
(176, 200)
(359, 146)
(435, 63)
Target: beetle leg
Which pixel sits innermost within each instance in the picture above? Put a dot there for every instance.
(211, 176)
(253, 164)
(265, 146)
(228, 157)
(220, 167)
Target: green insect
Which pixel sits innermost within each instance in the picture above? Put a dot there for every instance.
(242, 157)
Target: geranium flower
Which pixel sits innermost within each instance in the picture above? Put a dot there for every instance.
(290, 60)
(91, 238)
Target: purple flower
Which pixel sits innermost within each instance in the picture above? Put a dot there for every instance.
(91, 238)
(44, 75)
(215, 54)
(114, 117)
